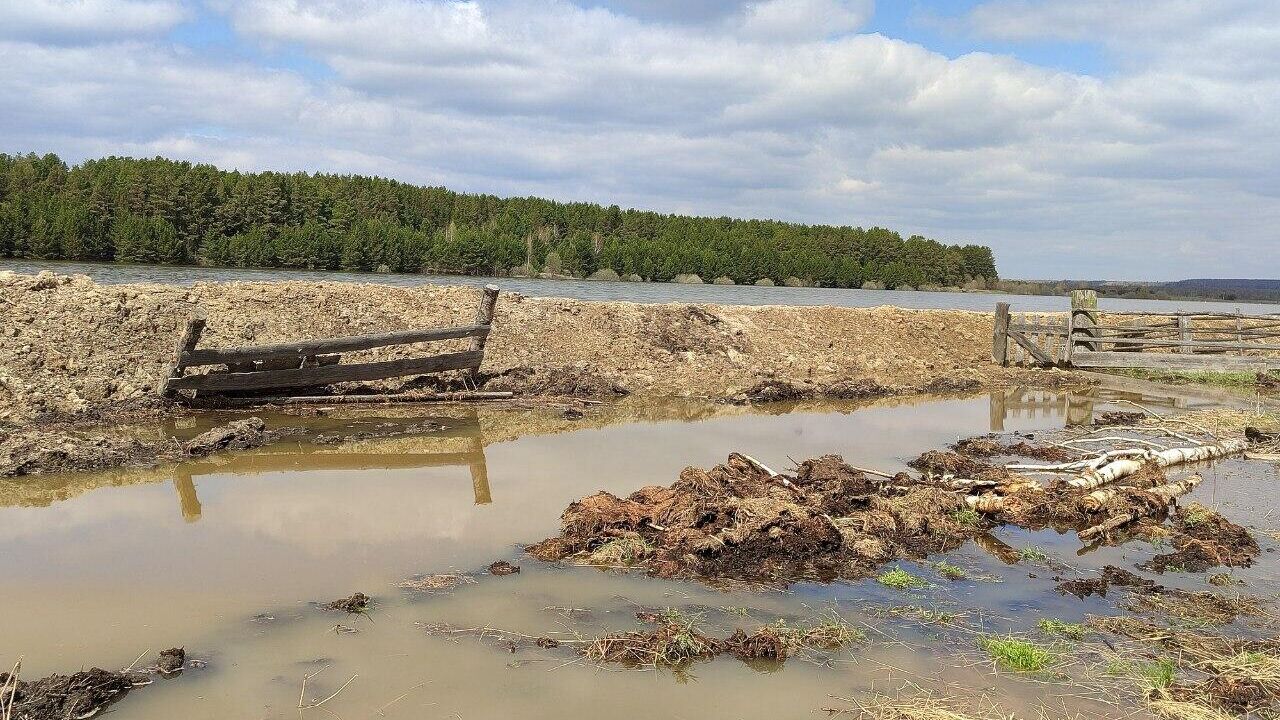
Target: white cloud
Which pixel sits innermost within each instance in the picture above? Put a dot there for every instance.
(714, 114)
(76, 21)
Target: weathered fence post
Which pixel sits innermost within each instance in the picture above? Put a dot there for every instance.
(1000, 335)
(1084, 320)
(1184, 335)
(484, 315)
(186, 343)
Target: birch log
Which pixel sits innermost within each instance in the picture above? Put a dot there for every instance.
(1168, 492)
(1117, 469)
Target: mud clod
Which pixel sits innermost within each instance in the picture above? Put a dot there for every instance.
(357, 603)
(235, 435)
(502, 567)
(171, 661)
(1203, 539)
(1119, 417)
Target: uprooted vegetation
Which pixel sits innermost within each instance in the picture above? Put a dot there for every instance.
(742, 521)
(673, 638)
(81, 694)
(1211, 675)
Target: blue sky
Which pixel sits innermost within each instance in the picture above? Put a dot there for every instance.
(1078, 138)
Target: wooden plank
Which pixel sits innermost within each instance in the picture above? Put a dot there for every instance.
(302, 348)
(1030, 347)
(186, 342)
(1046, 328)
(999, 335)
(304, 377)
(1172, 361)
(1194, 344)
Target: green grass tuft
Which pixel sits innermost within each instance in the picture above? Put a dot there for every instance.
(949, 571)
(1015, 654)
(1033, 554)
(900, 579)
(965, 516)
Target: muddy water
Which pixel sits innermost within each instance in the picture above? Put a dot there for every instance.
(226, 556)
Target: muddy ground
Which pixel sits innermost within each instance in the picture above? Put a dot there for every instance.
(72, 349)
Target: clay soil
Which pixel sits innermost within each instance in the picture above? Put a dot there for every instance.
(73, 349)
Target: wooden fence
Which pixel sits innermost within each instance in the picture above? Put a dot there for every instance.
(313, 363)
(1175, 341)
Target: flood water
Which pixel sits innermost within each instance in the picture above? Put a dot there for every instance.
(225, 556)
(113, 273)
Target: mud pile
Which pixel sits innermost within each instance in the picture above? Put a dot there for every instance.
(742, 521)
(70, 348)
(739, 521)
(78, 695)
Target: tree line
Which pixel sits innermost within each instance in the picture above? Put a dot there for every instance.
(175, 212)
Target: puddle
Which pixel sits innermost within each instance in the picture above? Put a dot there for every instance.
(226, 555)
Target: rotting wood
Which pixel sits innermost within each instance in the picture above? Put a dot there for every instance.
(186, 342)
(1084, 316)
(302, 348)
(999, 336)
(306, 377)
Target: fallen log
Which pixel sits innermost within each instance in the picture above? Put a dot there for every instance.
(1167, 492)
(1124, 467)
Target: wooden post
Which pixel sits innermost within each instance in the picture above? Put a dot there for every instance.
(1184, 335)
(1084, 319)
(484, 315)
(1000, 335)
(186, 343)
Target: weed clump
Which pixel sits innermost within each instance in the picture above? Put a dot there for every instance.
(1016, 654)
(900, 579)
(624, 551)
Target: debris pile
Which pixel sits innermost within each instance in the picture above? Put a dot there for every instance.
(81, 694)
(357, 603)
(742, 521)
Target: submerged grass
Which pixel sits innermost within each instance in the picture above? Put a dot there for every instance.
(949, 571)
(1016, 654)
(1054, 626)
(900, 579)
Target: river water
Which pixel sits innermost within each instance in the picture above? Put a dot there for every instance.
(111, 273)
(227, 555)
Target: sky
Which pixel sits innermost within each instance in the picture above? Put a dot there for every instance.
(1100, 139)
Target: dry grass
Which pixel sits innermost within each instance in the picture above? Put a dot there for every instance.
(1178, 710)
(435, 583)
(623, 551)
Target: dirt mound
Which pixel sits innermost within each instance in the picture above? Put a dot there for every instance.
(584, 381)
(775, 390)
(71, 348)
(28, 452)
(739, 521)
(986, 446)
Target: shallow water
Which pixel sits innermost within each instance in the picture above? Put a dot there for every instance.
(112, 273)
(226, 556)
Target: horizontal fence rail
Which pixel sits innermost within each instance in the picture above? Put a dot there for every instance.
(1086, 338)
(314, 363)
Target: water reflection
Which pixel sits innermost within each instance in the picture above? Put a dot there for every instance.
(1075, 407)
(462, 431)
